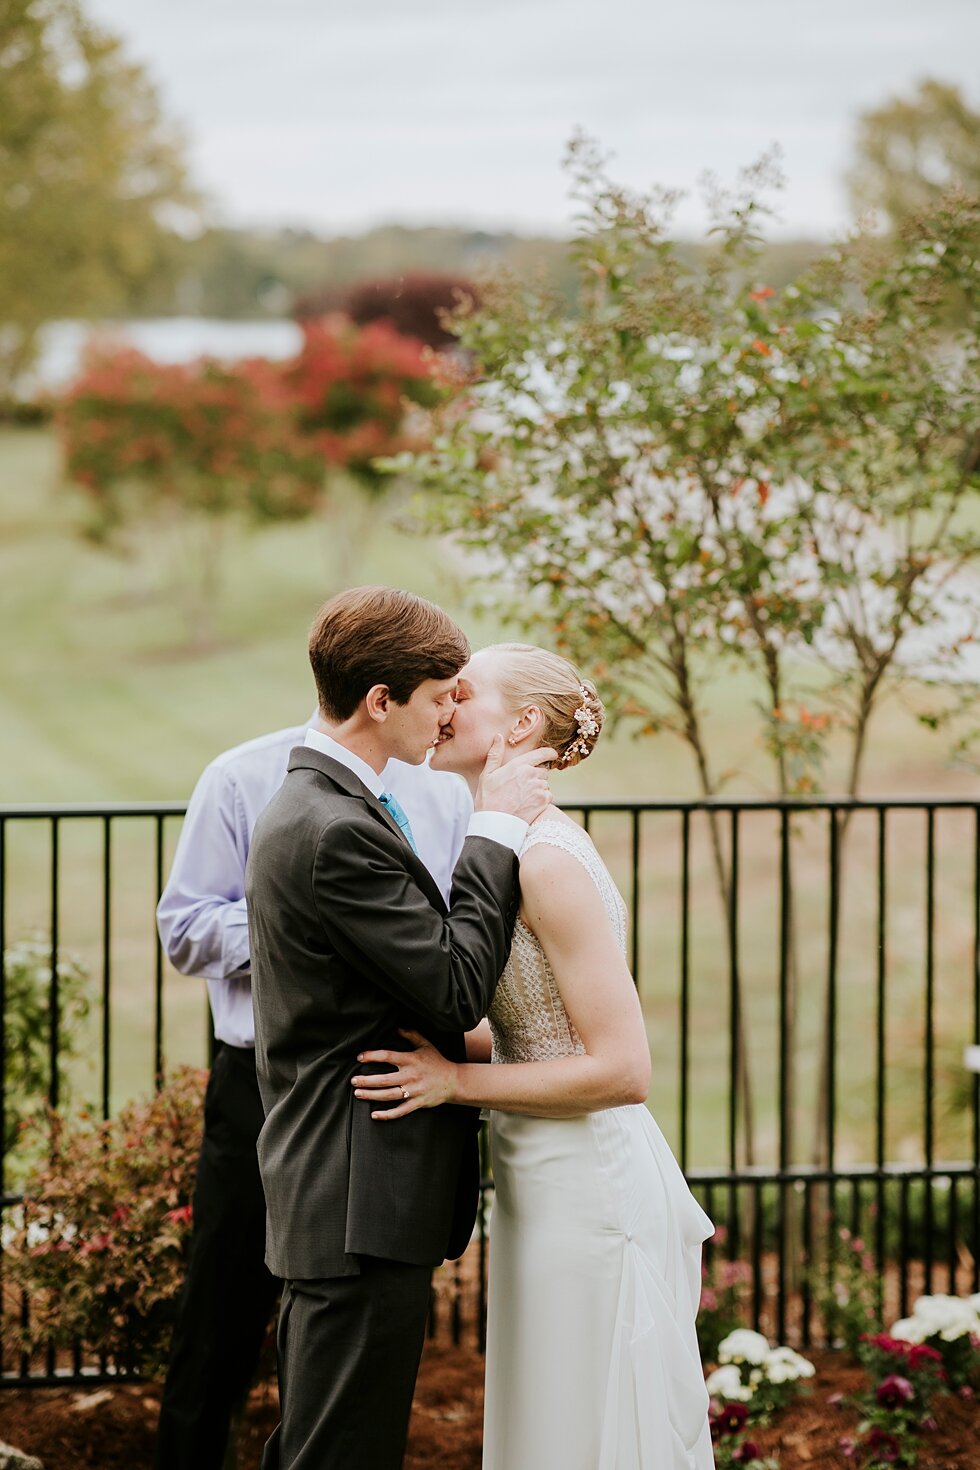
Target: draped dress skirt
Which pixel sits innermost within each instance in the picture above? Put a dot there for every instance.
(595, 1259)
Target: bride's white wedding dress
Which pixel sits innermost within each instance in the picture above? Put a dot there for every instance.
(595, 1256)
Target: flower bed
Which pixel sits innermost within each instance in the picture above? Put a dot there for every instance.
(112, 1429)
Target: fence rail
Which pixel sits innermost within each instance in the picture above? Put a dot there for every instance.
(810, 973)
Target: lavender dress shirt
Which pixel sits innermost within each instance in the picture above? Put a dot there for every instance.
(201, 915)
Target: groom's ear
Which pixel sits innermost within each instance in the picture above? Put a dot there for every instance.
(377, 702)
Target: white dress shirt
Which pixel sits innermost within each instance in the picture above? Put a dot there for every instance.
(201, 915)
(498, 826)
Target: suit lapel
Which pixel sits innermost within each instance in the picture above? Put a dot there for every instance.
(306, 757)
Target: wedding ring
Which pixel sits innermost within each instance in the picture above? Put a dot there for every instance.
(405, 1092)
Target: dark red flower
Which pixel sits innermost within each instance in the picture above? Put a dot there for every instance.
(727, 1419)
(884, 1446)
(894, 1391)
(885, 1343)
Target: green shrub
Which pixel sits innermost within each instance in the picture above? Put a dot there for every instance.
(27, 1022)
(99, 1242)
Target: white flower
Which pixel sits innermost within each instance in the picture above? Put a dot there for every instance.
(726, 1383)
(785, 1366)
(909, 1329)
(744, 1345)
(948, 1317)
(960, 1323)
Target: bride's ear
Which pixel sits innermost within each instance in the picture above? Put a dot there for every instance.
(529, 724)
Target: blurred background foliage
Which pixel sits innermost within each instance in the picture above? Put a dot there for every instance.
(121, 666)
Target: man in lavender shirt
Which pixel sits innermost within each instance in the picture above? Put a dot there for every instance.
(228, 1293)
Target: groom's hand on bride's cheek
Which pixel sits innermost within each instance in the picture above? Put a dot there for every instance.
(520, 788)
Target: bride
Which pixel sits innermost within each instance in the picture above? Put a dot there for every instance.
(595, 1239)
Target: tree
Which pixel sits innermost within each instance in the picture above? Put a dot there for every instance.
(416, 304)
(912, 151)
(694, 467)
(358, 393)
(186, 447)
(189, 446)
(90, 174)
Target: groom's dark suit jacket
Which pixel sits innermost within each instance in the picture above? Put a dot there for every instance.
(350, 940)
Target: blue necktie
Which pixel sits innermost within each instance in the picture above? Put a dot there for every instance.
(393, 807)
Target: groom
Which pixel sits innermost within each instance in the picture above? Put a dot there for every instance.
(352, 942)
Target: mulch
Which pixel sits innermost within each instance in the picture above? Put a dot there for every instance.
(112, 1428)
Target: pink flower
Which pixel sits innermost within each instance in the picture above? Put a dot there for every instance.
(746, 1452)
(181, 1216)
(709, 1301)
(96, 1244)
(732, 1272)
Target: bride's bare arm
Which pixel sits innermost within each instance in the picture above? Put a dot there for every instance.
(562, 906)
(479, 1043)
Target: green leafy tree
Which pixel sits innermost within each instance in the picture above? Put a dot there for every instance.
(694, 466)
(913, 150)
(90, 175)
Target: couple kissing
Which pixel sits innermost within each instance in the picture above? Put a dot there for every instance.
(386, 1019)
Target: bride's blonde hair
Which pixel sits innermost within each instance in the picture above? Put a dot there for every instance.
(573, 712)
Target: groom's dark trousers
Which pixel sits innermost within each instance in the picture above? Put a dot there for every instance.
(352, 942)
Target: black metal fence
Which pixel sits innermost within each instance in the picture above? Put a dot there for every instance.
(810, 973)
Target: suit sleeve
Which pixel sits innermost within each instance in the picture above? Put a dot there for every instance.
(445, 967)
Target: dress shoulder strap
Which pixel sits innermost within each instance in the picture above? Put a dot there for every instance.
(570, 839)
(578, 844)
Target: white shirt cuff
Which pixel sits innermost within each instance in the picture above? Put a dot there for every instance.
(499, 827)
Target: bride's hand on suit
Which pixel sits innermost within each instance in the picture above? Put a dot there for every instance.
(423, 1078)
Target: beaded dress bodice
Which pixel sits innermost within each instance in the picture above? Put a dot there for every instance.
(527, 1018)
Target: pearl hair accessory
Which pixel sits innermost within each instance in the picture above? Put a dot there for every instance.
(588, 728)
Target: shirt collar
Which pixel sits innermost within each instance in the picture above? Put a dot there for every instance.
(328, 746)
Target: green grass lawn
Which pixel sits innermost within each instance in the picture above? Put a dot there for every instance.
(104, 699)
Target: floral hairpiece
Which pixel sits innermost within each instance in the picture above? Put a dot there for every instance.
(587, 727)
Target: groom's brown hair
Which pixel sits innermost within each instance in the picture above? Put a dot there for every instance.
(379, 635)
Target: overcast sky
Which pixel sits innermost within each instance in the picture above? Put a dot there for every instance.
(342, 114)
